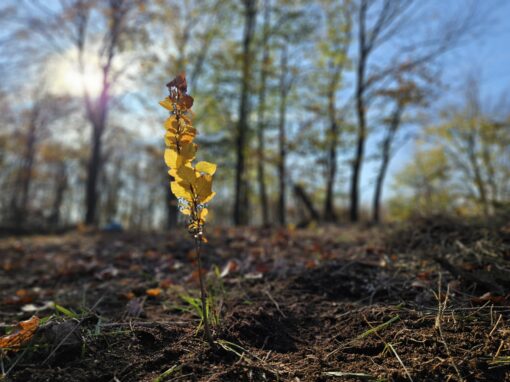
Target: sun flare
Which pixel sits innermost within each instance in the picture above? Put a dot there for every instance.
(66, 78)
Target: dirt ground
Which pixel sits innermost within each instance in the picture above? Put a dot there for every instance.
(429, 302)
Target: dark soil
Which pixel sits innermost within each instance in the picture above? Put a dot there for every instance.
(330, 304)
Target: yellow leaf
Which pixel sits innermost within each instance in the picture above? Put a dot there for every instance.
(188, 151)
(186, 211)
(187, 174)
(203, 215)
(172, 159)
(188, 135)
(208, 198)
(171, 140)
(181, 192)
(186, 120)
(173, 172)
(171, 124)
(204, 188)
(207, 167)
(167, 104)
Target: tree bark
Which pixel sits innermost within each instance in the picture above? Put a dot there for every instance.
(360, 112)
(307, 202)
(282, 138)
(261, 123)
(61, 183)
(385, 161)
(329, 207)
(93, 169)
(27, 168)
(241, 181)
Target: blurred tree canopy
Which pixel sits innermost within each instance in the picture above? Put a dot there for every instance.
(303, 105)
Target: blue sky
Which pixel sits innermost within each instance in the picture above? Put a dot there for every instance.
(486, 55)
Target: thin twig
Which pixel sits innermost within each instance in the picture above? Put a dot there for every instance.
(275, 303)
(390, 346)
(495, 325)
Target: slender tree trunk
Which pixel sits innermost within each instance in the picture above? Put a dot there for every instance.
(361, 115)
(93, 169)
(27, 170)
(385, 161)
(282, 139)
(264, 208)
(241, 181)
(307, 202)
(329, 207)
(61, 184)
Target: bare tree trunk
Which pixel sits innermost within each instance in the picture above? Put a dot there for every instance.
(282, 138)
(241, 181)
(307, 202)
(24, 178)
(329, 207)
(261, 119)
(27, 169)
(385, 160)
(360, 112)
(93, 169)
(61, 183)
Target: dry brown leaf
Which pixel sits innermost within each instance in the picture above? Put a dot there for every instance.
(489, 297)
(23, 334)
(179, 83)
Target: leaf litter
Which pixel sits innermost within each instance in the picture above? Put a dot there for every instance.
(327, 304)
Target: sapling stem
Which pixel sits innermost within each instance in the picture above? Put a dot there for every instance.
(203, 295)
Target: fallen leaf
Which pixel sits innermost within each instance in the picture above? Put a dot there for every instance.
(489, 297)
(231, 266)
(23, 334)
(154, 292)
